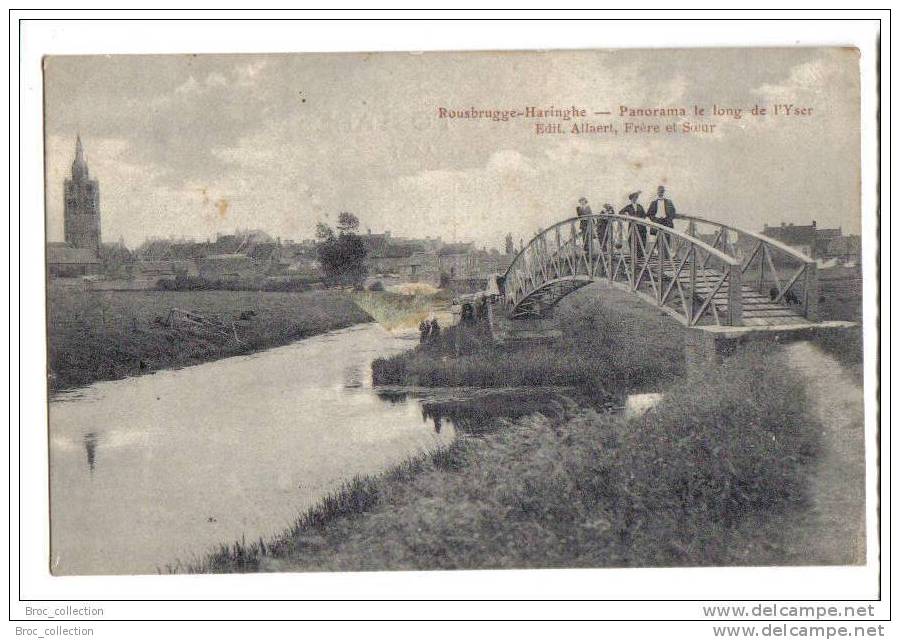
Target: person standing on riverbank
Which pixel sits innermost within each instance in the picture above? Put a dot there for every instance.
(435, 332)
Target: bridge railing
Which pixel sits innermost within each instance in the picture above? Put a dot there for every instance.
(684, 275)
(774, 269)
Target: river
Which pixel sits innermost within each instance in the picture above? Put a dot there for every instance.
(154, 469)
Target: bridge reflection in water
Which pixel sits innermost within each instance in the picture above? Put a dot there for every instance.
(702, 273)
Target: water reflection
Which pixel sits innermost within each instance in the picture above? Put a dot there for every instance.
(475, 411)
(478, 416)
(393, 397)
(90, 447)
(434, 412)
(236, 450)
(354, 376)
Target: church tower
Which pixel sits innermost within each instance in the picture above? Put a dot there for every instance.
(82, 206)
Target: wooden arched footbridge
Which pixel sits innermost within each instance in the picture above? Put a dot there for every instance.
(701, 272)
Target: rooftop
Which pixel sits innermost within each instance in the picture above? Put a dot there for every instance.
(61, 253)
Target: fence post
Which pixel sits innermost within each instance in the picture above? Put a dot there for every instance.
(693, 259)
(661, 242)
(590, 246)
(631, 265)
(812, 292)
(735, 301)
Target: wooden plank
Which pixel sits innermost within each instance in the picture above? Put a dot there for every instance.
(769, 322)
(771, 313)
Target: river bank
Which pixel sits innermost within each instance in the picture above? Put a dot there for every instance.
(708, 477)
(715, 474)
(618, 347)
(109, 335)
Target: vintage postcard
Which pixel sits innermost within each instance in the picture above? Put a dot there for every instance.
(457, 310)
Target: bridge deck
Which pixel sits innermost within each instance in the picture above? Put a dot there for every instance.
(758, 308)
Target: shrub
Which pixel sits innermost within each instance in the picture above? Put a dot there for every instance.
(725, 444)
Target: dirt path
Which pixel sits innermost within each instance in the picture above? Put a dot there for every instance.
(834, 531)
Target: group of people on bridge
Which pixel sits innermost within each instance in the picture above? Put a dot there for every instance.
(661, 210)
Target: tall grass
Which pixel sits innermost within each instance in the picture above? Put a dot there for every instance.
(355, 497)
(845, 346)
(108, 335)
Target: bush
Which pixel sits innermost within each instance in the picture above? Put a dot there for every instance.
(726, 444)
(605, 348)
(166, 284)
(378, 285)
(259, 283)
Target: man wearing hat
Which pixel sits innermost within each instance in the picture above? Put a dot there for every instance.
(583, 210)
(635, 210)
(661, 211)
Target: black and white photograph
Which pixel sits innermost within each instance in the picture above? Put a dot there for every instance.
(303, 310)
(457, 313)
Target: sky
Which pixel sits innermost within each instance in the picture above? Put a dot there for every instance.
(191, 146)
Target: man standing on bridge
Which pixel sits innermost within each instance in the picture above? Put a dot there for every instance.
(661, 210)
(583, 210)
(635, 210)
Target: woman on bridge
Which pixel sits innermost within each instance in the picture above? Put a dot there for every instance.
(617, 230)
(635, 210)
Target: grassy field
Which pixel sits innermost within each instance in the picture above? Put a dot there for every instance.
(708, 478)
(608, 347)
(113, 334)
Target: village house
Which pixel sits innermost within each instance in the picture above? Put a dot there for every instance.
(389, 259)
(823, 244)
(227, 267)
(454, 259)
(799, 236)
(66, 261)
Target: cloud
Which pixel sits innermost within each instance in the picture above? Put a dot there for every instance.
(216, 79)
(286, 140)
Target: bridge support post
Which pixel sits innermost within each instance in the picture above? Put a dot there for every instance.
(735, 301)
(812, 292)
(706, 348)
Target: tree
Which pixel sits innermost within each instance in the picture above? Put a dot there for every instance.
(342, 255)
(510, 245)
(347, 222)
(324, 232)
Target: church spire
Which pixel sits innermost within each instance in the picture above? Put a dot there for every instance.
(79, 165)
